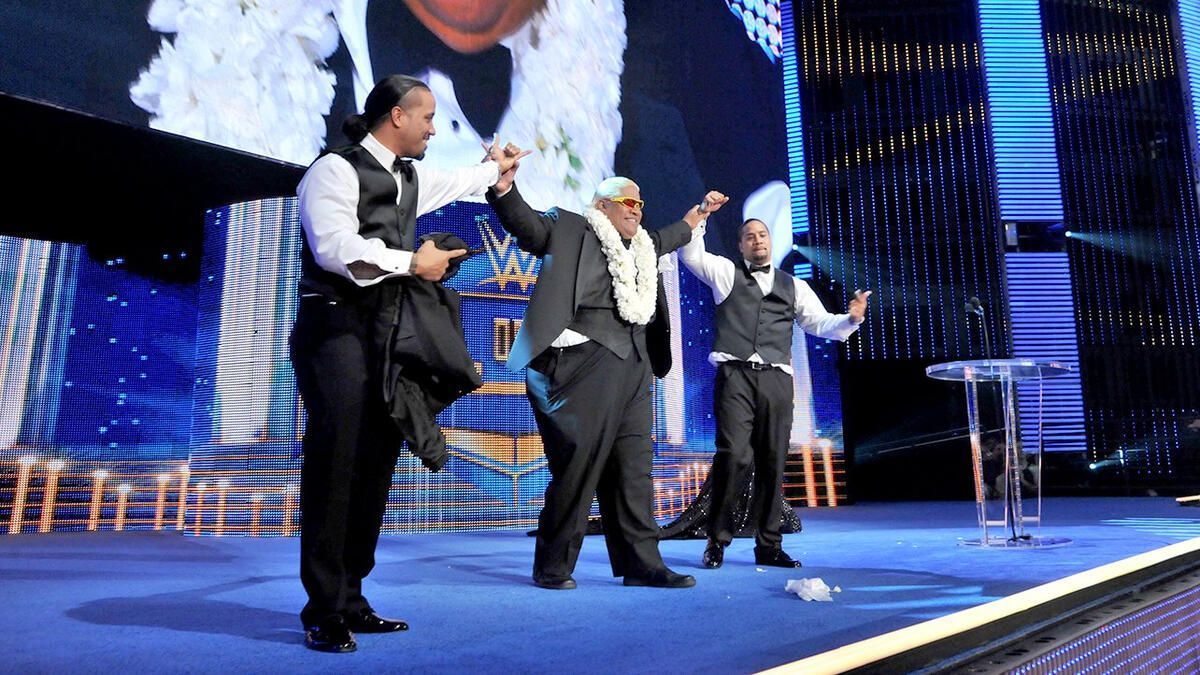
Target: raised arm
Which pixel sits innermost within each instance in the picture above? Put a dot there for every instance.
(716, 272)
(532, 229)
(680, 232)
(437, 188)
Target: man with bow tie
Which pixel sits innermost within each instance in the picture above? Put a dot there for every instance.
(756, 305)
(358, 206)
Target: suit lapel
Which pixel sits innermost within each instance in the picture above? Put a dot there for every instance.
(589, 248)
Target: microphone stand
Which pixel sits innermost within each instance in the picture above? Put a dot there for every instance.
(973, 306)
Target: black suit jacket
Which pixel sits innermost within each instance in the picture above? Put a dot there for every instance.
(559, 238)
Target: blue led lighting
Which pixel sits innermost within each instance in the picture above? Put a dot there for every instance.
(1154, 639)
(1189, 30)
(797, 173)
(1018, 94)
(1043, 328)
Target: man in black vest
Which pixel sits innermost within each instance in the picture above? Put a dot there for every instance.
(595, 331)
(756, 305)
(359, 206)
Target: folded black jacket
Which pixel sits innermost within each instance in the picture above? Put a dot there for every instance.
(427, 366)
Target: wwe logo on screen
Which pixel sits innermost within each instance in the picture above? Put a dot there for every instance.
(509, 263)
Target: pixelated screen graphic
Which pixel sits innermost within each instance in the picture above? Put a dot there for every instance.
(134, 404)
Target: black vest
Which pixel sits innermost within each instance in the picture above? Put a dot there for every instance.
(379, 217)
(597, 316)
(749, 322)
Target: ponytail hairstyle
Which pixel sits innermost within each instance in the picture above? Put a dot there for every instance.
(387, 94)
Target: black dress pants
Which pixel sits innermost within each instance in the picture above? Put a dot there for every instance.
(593, 410)
(350, 448)
(754, 423)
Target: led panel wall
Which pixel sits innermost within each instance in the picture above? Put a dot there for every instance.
(1124, 142)
(899, 169)
(141, 405)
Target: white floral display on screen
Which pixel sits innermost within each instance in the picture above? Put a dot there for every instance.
(634, 270)
(567, 64)
(250, 74)
(247, 74)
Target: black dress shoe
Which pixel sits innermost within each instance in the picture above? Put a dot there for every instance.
(554, 583)
(331, 635)
(367, 621)
(661, 578)
(774, 557)
(714, 555)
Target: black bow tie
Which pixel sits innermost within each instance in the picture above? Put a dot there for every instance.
(404, 166)
(755, 269)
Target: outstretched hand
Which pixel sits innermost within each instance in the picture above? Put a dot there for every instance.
(508, 158)
(858, 306)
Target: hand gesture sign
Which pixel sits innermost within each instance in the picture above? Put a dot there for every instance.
(858, 306)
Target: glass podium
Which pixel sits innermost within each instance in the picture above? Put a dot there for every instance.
(1003, 471)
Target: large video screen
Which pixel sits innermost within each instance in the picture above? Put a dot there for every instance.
(139, 404)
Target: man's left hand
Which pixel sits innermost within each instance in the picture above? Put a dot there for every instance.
(858, 307)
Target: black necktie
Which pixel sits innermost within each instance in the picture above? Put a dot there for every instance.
(754, 269)
(404, 166)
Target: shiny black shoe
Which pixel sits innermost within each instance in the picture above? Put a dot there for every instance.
(554, 583)
(774, 557)
(714, 555)
(661, 578)
(331, 635)
(367, 621)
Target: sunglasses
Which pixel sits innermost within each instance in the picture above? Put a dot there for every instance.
(629, 202)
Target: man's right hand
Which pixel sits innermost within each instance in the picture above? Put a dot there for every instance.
(430, 262)
(508, 160)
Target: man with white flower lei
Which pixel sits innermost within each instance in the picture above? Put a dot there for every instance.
(594, 334)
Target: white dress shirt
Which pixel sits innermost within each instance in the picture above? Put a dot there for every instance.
(329, 209)
(720, 273)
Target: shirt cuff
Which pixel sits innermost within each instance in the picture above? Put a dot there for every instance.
(850, 326)
(394, 263)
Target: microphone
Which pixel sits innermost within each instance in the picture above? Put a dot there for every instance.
(974, 306)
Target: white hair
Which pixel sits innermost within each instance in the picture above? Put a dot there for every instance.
(611, 187)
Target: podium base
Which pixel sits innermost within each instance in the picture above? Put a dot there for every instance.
(1015, 544)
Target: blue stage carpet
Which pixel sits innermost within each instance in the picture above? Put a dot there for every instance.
(151, 602)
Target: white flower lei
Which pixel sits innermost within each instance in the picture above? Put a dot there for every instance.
(634, 270)
(567, 65)
(250, 74)
(247, 74)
